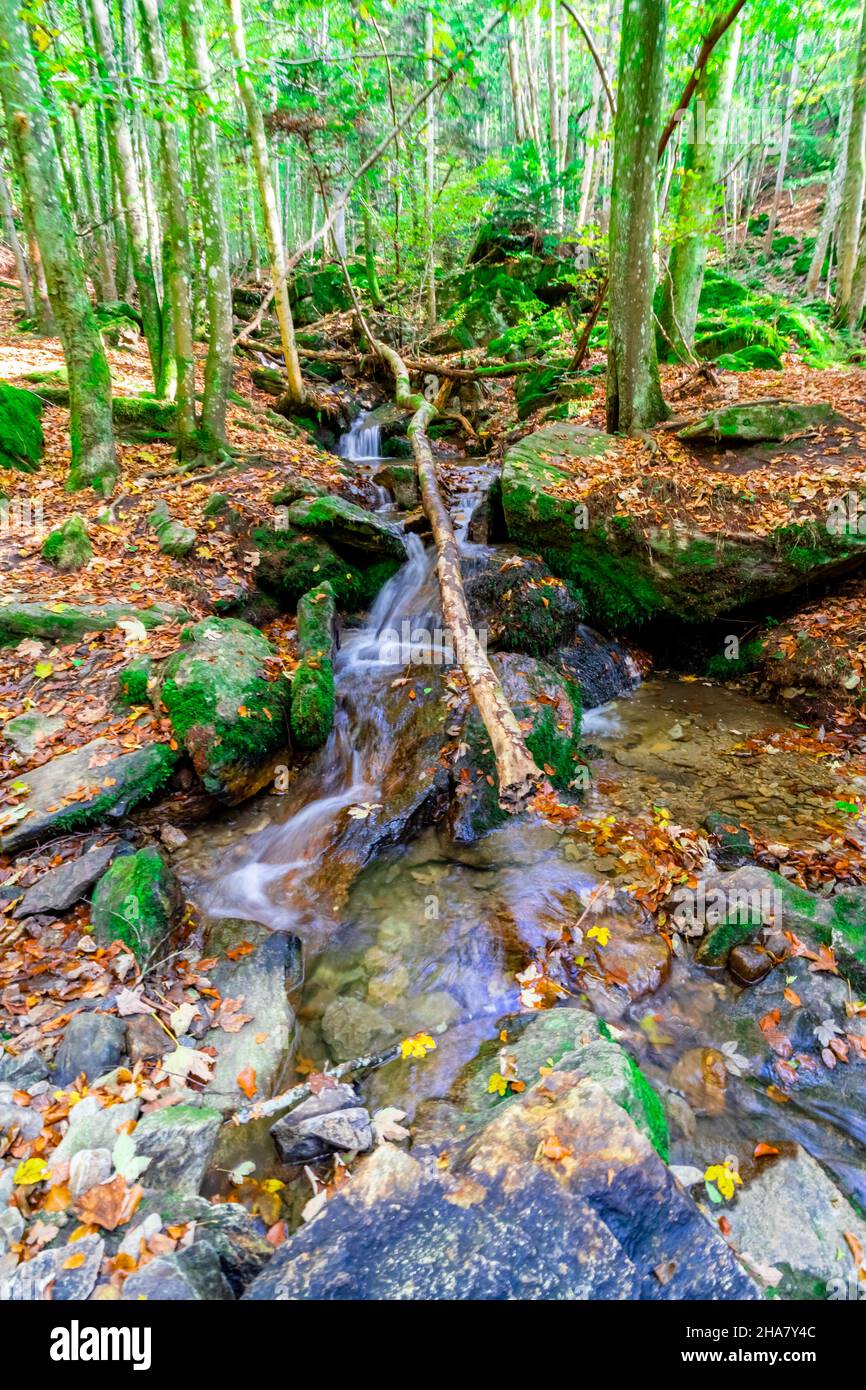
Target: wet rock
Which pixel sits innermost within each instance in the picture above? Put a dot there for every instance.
(93, 1043)
(27, 732)
(401, 480)
(191, 1275)
(734, 844)
(172, 837)
(634, 964)
(99, 781)
(352, 1028)
(89, 1168)
(138, 902)
(749, 964)
(178, 1140)
(348, 527)
(262, 980)
(94, 1126)
(146, 1038)
(792, 1216)
(312, 712)
(64, 886)
(48, 1274)
(521, 606)
(226, 1229)
(701, 1075)
(331, 1122)
(602, 668)
(225, 709)
(548, 706)
(22, 1070)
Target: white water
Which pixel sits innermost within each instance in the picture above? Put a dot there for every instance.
(362, 442)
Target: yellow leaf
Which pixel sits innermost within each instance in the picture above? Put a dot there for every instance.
(418, 1046)
(599, 934)
(497, 1085)
(30, 1170)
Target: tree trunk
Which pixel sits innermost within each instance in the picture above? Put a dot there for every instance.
(430, 168)
(129, 186)
(178, 252)
(90, 424)
(15, 245)
(793, 75)
(634, 398)
(698, 204)
(832, 200)
(273, 228)
(853, 185)
(517, 773)
(218, 367)
(104, 268)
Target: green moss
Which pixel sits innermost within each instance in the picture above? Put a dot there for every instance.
(67, 622)
(552, 747)
(136, 902)
(68, 547)
(133, 681)
(21, 437)
(750, 359)
(154, 765)
(291, 563)
(647, 1111)
(175, 538)
(720, 668)
(312, 712)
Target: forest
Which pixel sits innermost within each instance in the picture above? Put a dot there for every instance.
(433, 651)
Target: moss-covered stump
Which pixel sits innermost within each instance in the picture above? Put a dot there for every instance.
(292, 562)
(68, 547)
(229, 705)
(137, 902)
(312, 712)
(348, 527)
(21, 437)
(548, 708)
(632, 566)
(521, 606)
(68, 622)
(97, 782)
(175, 538)
(758, 422)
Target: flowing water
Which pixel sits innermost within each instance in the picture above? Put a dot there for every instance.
(433, 935)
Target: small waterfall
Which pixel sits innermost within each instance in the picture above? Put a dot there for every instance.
(362, 441)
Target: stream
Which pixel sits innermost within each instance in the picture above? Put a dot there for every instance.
(400, 938)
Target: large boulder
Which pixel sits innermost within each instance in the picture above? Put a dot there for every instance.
(639, 546)
(595, 1197)
(97, 782)
(521, 606)
(348, 526)
(137, 901)
(228, 702)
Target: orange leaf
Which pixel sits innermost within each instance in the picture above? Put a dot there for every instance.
(74, 1261)
(793, 998)
(247, 1081)
(762, 1150)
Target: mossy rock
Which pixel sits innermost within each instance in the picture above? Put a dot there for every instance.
(291, 563)
(137, 419)
(137, 901)
(721, 292)
(750, 359)
(175, 538)
(312, 712)
(118, 311)
(758, 422)
(134, 681)
(544, 385)
(317, 293)
(348, 527)
(522, 606)
(628, 573)
(21, 437)
(68, 547)
(293, 488)
(68, 622)
(100, 781)
(548, 706)
(224, 710)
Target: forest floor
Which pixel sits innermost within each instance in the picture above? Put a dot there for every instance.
(51, 972)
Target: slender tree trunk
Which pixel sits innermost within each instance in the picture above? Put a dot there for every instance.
(430, 169)
(178, 251)
(273, 228)
(255, 255)
(90, 423)
(634, 398)
(218, 367)
(45, 321)
(832, 200)
(590, 153)
(129, 186)
(15, 246)
(853, 185)
(698, 199)
(790, 102)
(514, 79)
(100, 239)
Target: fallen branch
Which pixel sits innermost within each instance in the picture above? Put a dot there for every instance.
(581, 349)
(720, 27)
(418, 364)
(596, 56)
